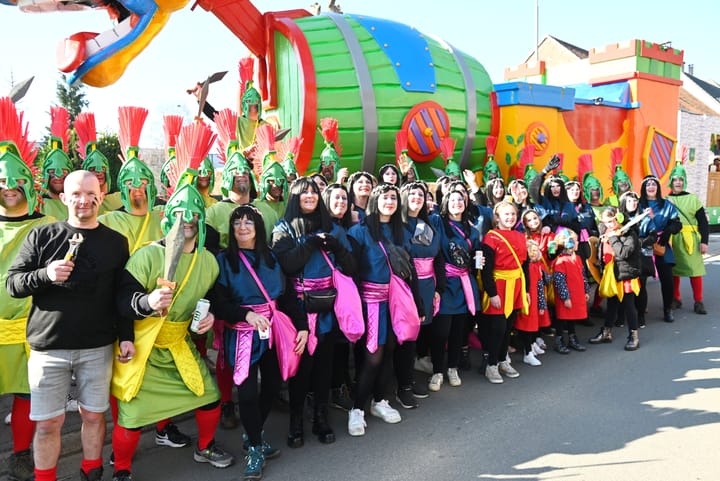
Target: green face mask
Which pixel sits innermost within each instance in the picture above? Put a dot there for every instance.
(95, 161)
(187, 201)
(678, 172)
(452, 169)
(164, 180)
(288, 166)
(236, 164)
(132, 173)
(491, 170)
(17, 174)
(273, 174)
(251, 97)
(618, 177)
(56, 162)
(207, 169)
(591, 183)
(530, 174)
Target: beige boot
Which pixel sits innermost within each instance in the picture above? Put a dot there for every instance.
(633, 341)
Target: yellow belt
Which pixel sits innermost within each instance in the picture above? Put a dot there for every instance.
(688, 236)
(156, 332)
(14, 331)
(510, 276)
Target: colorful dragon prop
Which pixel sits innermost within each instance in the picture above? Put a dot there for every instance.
(375, 76)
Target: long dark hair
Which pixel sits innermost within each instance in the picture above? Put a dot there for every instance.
(372, 218)
(622, 204)
(351, 184)
(387, 167)
(305, 223)
(404, 192)
(643, 191)
(346, 221)
(464, 217)
(262, 250)
(489, 187)
(547, 190)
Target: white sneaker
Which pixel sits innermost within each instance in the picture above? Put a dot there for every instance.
(424, 364)
(540, 343)
(384, 411)
(435, 382)
(453, 378)
(8, 418)
(531, 359)
(356, 422)
(537, 350)
(506, 368)
(493, 375)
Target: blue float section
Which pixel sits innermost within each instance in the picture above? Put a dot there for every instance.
(407, 50)
(616, 94)
(523, 93)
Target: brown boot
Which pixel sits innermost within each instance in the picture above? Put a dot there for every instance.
(605, 335)
(633, 341)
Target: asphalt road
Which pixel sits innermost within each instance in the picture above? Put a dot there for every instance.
(604, 415)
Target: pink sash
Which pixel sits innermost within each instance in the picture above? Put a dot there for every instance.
(403, 311)
(373, 294)
(425, 267)
(312, 285)
(243, 350)
(348, 306)
(283, 332)
(464, 275)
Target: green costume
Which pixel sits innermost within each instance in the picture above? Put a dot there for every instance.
(218, 217)
(686, 243)
(272, 211)
(111, 203)
(54, 208)
(138, 229)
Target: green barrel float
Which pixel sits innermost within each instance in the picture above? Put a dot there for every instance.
(377, 76)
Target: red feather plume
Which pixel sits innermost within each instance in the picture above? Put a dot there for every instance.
(330, 132)
(225, 122)
(265, 142)
(401, 143)
(193, 145)
(447, 147)
(131, 120)
(171, 128)
(490, 145)
(246, 70)
(85, 128)
(616, 156)
(527, 158)
(290, 146)
(585, 166)
(12, 129)
(60, 125)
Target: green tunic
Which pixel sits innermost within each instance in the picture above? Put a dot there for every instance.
(54, 208)
(112, 202)
(217, 216)
(271, 212)
(687, 264)
(13, 359)
(163, 393)
(131, 226)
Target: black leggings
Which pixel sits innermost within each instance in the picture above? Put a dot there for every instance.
(628, 306)
(497, 329)
(376, 372)
(254, 406)
(447, 329)
(314, 374)
(666, 281)
(404, 360)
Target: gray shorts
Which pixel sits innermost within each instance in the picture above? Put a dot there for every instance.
(49, 374)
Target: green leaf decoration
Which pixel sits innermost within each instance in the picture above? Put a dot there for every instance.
(510, 139)
(508, 158)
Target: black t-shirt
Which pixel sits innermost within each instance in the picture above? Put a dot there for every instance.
(81, 312)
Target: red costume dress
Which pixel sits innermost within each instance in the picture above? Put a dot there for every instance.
(508, 274)
(533, 320)
(570, 283)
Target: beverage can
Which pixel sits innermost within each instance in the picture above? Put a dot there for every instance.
(478, 259)
(201, 311)
(264, 334)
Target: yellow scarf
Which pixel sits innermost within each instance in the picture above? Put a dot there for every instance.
(14, 331)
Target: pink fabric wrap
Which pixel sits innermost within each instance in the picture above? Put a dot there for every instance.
(243, 351)
(425, 268)
(403, 311)
(348, 306)
(464, 275)
(584, 235)
(311, 285)
(373, 294)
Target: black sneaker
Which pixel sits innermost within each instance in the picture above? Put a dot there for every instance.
(340, 398)
(122, 476)
(213, 454)
(228, 420)
(95, 474)
(406, 398)
(699, 308)
(171, 436)
(676, 304)
(420, 390)
(20, 466)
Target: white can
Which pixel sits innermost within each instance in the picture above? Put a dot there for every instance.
(478, 259)
(201, 311)
(264, 334)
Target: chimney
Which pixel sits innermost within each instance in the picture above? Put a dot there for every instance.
(691, 69)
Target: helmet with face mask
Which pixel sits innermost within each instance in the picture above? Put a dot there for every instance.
(16, 173)
(236, 164)
(132, 174)
(95, 161)
(182, 206)
(272, 174)
(207, 169)
(57, 161)
(678, 172)
(250, 96)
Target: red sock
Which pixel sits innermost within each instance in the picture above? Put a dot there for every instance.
(201, 345)
(676, 287)
(223, 374)
(124, 444)
(597, 300)
(161, 425)
(46, 474)
(207, 421)
(21, 426)
(697, 287)
(114, 409)
(88, 465)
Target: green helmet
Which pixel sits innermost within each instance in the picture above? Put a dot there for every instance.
(56, 160)
(288, 165)
(249, 98)
(678, 172)
(16, 173)
(590, 183)
(620, 176)
(206, 169)
(273, 172)
(329, 155)
(530, 174)
(134, 171)
(188, 201)
(96, 161)
(164, 180)
(452, 169)
(235, 163)
(491, 170)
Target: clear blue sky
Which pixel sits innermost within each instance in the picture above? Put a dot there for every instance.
(194, 44)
